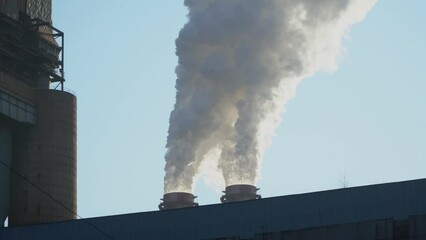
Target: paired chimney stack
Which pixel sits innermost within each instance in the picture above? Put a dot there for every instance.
(233, 193)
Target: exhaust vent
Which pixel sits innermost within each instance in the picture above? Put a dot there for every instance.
(175, 200)
(240, 192)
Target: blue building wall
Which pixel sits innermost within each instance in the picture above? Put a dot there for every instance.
(244, 219)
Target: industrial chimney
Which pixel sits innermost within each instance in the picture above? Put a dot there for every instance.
(176, 200)
(240, 192)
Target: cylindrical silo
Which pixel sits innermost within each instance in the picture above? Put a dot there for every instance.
(46, 156)
(5, 158)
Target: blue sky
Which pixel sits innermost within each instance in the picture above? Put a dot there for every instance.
(363, 124)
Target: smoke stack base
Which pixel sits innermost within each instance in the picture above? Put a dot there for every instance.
(176, 200)
(240, 192)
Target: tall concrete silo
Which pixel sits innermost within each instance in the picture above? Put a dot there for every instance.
(47, 160)
(41, 122)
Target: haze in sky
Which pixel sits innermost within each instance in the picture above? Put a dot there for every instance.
(362, 124)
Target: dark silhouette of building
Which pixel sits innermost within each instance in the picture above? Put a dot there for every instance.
(393, 211)
(37, 118)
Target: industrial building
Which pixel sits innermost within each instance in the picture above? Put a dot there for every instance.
(38, 169)
(37, 118)
(376, 212)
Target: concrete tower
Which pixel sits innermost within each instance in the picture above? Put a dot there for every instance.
(38, 126)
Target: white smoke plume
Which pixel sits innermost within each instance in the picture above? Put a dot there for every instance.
(239, 63)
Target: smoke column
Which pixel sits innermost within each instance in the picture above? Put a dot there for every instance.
(239, 63)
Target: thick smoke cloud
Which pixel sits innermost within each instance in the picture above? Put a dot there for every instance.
(239, 63)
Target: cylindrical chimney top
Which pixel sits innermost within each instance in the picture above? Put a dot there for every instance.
(240, 192)
(175, 200)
